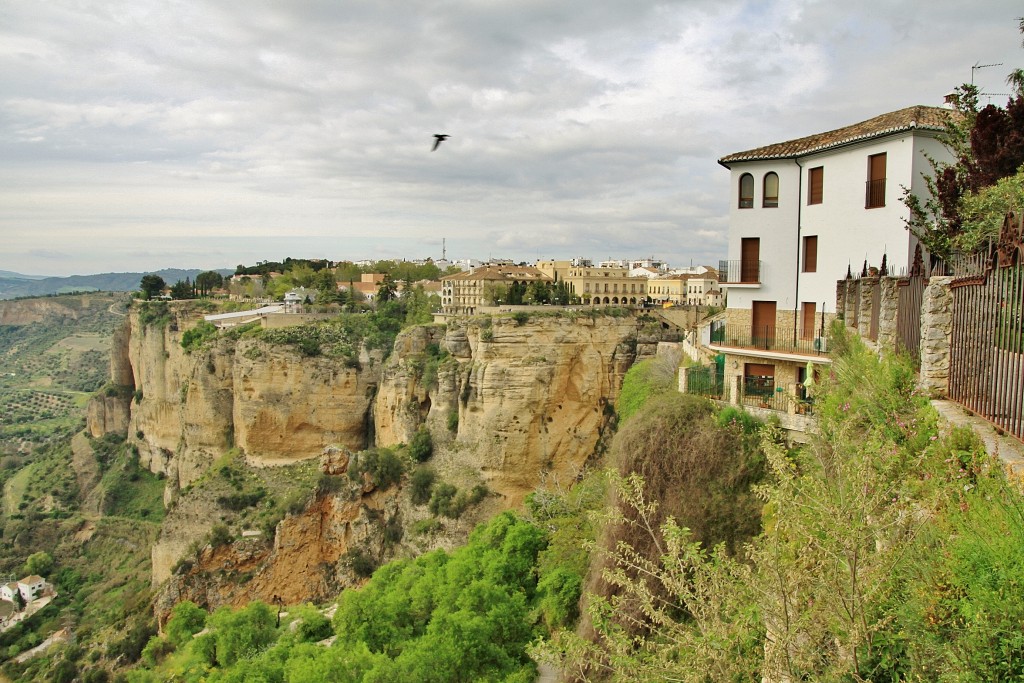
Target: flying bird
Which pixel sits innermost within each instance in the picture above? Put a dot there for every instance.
(439, 140)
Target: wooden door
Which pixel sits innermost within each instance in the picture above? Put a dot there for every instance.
(807, 312)
(762, 330)
(750, 255)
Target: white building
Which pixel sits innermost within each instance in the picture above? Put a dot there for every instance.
(9, 591)
(31, 587)
(804, 211)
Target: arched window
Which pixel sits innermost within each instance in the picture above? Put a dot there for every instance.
(771, 190)
(746, 191)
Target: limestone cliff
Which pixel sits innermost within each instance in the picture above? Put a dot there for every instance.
(268, 400)
(532, 397)
(509, 401)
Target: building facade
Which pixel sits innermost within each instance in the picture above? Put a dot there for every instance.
(802, 213)
(464, 293)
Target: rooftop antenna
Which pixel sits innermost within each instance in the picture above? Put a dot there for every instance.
(981, 66)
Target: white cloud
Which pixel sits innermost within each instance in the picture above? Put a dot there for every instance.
(578, 128)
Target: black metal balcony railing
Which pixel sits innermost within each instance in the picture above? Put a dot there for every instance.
(874, 194)
(739, 272)
(767, 338)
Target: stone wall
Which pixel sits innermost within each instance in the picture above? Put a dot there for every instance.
(936, 322)
(888, 333)
(936, 325)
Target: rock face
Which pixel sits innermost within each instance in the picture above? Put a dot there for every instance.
(532, 399)
(508, 401)
(268, 400)
(304, 562)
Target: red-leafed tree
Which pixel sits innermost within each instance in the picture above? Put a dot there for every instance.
(988, 146)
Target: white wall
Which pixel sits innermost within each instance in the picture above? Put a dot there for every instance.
(847, 232)
(776, 228)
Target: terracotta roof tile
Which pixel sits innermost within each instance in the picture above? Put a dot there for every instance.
(917, 117)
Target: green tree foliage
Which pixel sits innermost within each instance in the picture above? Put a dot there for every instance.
(151, 286)
(208, 281)
(462, 617)
(183, 289)
(987, 146)
(386, 290)
(40, 563)
(421, 484)
(243, 633)
(186, 620)
(422, 445)
(380, 467)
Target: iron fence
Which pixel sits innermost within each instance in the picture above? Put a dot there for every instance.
(987, 338)
(706, 381)
(771, 338)
(739, 272)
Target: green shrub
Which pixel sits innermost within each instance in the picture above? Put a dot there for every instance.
(360, 562)
(448, 501)
(426, 526)
(220, 535)
(195, 338)
(240, 501)
(381, 464)
(326, 483)
(422, 445)
(422, 484)
(441, 501)
(521, 317)
(453, 420)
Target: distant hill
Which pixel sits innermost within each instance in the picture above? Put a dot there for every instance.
(14, 285)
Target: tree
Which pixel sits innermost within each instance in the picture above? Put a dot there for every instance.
(326, 286)
(151, 285)
(40, 563)
(182, 289)
(386, 289)
(186, 620)
(987, 145)
(208, 281)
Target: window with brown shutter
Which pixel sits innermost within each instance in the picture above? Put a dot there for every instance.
(808, 310)
(874, 194)
(811, 254)
(750, 259)
(815, 183)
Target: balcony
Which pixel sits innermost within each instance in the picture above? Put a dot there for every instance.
(749, 392)
(739, 273)
(874, 194)
(765, 338)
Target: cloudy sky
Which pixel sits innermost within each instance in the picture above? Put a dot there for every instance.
(143, 134)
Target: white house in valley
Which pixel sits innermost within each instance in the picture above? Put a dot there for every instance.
(31, 587)
(803, 212)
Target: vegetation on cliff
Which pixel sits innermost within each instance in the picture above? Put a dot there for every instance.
(890, 552)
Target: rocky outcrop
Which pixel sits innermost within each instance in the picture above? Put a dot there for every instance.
(305, 562)
(509, 400)
(265, 399)
(532, 398)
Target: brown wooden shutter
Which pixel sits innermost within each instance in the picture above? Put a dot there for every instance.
(811, 254)
(815, 184)
(808, 311)
(750, 255)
